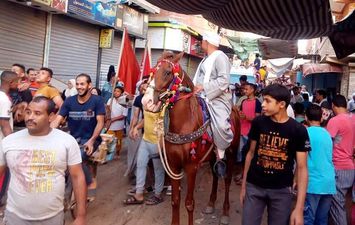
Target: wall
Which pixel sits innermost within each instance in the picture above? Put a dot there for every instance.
(351, 79)
(344, 81)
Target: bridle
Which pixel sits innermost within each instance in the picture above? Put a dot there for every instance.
(170, 95)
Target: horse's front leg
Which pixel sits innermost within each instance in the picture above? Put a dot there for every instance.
(175, 202)
(213, 196)
(190, 171)
(227, 181)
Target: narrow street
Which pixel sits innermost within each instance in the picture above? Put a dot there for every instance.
(108, 208)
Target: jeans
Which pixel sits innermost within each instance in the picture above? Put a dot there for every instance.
(241, 151)
(277, 201)
(316, 209)
(146, 151)
(86, 169)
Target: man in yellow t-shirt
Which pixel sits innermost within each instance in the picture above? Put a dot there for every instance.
(45, 89)
(148, 149)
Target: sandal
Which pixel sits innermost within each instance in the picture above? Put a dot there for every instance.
(91, 195)
(154, 200)
(132, 201)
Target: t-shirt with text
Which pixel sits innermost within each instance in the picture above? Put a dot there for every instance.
(82, 117)
(37, 166)
(275, 152)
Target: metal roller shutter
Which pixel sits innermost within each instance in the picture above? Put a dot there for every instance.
(74, 48)
(110, 57)
(22, 32)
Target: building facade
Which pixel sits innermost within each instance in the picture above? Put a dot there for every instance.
(76, 37)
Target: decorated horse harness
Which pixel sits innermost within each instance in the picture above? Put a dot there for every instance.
(169, 97)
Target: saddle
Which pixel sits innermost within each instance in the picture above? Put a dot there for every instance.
(205, 129)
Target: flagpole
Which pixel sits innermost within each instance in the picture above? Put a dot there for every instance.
(144, 60)
(118, 67)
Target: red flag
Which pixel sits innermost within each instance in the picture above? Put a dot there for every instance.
(146, 66)
(129, 70)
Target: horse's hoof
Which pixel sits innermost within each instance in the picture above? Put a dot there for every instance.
(208, 210)
(224, 220)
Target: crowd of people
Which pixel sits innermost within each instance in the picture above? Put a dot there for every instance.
(279, 126)
(325, 129)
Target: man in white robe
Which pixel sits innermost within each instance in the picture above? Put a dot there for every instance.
(212, 82)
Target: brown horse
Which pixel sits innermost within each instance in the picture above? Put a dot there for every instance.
(185, 119)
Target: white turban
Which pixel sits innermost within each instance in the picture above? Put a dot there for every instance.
(212, 38)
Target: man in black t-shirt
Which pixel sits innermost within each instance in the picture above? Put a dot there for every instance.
(276, 142)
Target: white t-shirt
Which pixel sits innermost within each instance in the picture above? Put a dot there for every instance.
(5, 110)
(37, 166)
(117, 110)
(290, 112)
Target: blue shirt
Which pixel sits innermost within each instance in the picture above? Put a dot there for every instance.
(321, 172)
(82, 117)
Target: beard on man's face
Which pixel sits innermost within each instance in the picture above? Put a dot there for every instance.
(84, 93)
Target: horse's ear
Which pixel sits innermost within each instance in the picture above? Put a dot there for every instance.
(178, 57)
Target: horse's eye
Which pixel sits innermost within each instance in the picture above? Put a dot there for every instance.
(167, 73)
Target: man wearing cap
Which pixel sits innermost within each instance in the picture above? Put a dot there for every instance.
(212, 82)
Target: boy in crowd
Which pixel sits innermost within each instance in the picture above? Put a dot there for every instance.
(118, 115)
(341, 129)
(276, 141)
(299, 112)
(147, 150)
(32, 76)
(321, 181)
(45, 89)
(249, 109)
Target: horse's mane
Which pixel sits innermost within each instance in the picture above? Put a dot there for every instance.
(187, 82)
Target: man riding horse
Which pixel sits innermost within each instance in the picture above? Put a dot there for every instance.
(212, 83)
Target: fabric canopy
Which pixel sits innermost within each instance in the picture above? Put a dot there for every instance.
(275, 48)
(281, 19)
(343, 36)
(311, 68)
(243, 46)
(279, 66)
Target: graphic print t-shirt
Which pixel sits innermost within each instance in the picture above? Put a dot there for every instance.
(82, 117)
(275, 152)
(37, 165)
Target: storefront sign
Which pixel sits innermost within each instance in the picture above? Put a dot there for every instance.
(59, 5)
(119, 17)
(186, 43)
(106, 38)
(99, 11)
(195, 47)
(133, 20)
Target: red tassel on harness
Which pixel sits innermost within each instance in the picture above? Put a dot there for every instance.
(193, 151)
(176, 68)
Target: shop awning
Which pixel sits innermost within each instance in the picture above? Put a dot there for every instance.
(343, 36)
(311, 68)
(281, 19)
(275, 48)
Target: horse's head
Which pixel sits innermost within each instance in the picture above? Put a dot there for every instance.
(162, 80)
